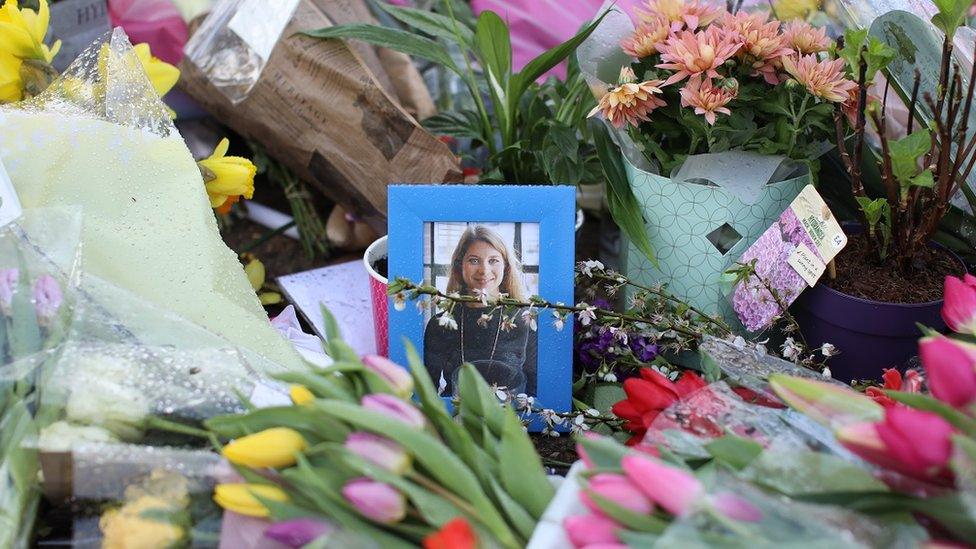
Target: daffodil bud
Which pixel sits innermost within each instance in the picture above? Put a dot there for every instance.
(275, 447)
(243, 498)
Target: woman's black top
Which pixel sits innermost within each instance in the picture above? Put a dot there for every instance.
(516, 347)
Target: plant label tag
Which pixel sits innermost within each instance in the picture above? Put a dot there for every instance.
(10, 208)
(788, 258)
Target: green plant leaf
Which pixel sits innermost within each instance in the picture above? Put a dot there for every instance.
(314, 427)
(821, 473)
(905, 153)
(494, 45)
(321, 385)
(623, 205)
(605, 453)
(523, 522)
(332, 331)
(430, 23)
(734, 451)
(520, 468)
(479, 405)
(394, 39)
(952, 14)
(460, 124)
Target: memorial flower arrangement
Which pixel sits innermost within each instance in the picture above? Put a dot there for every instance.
(703, 79)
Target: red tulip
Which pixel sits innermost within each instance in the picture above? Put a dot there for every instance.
(455, 534)
(910, 441)
(585, 530)
(650, 394)
(959, 310)
(619, 490)
(951, 369)
(892, 381)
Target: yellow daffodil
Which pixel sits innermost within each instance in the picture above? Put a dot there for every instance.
(162, 75)
(22, 32)
(243, 498)
(275, 447)
(11, 87)
(227, 176)
(300, 394)
(255, 272)
(139, 523)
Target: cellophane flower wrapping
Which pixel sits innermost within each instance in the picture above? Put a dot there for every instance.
(39, 267)
(99, 137)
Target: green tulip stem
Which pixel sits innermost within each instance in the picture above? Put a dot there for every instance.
(174, 427)
(443, 492)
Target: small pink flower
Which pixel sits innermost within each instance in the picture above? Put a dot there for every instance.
(395, 375)
(691, 14)
(47, 298)
(762, 43)
(8, 286)
(805, 38)
(375, 500)
(671, 488)
(630, 103)
(959, 310)
(706, 98)
(823, 79)
(646, 38)
(619, 490)
(379, 450)
(950, 366)
(697, 53)
(587, 530)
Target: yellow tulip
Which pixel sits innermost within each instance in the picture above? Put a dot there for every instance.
(22, 32)
(275, 447)
(11, 86)
(162, 75)
(300, 394)
(227, 176)
(240, 498)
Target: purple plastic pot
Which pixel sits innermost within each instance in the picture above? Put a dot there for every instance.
(870, 335)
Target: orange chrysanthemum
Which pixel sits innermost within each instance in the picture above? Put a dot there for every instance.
(706, 99)
(824, 79)
(762, 43)
(805, 38)
(647, 38)
(697, 53)
(679, 13)
(631, 102)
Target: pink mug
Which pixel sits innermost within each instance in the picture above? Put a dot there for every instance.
(377, 292)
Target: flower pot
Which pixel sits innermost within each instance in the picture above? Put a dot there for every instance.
(377, 291)
(870, 335)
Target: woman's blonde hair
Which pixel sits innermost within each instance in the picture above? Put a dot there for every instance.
(512, 278)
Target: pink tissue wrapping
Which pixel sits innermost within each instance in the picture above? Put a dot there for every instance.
(537, 25)
(156, 22)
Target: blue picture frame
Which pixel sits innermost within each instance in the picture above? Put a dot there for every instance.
(552, 207)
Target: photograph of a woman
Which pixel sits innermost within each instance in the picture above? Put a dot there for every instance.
(502, 347)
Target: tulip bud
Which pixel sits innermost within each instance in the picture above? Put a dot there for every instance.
(381, 451)
(275, 447)
(619, 490)
(395, 408)
(47, 298)
(959, 309)
(673, 489)
(375, 500)
(300, 394)
(824, 402)
(395, 375)
(298, 532)
(951, 369)
(736, 508)
(8, 285)
(587, 530)
(240, 498)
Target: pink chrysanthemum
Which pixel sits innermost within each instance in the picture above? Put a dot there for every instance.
(805, 38)
(631, 102)
(647, 38)
(762, 43)
(697, 53)
(823, 79)
(706, 99)
(679, 13)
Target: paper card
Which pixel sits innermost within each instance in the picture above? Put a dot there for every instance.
(10, 208)
(77, 23)
(789, 257)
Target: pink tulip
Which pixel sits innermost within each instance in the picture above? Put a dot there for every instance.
(47, 298)
(959, 310)
(395, 375)
(617, 489)
(586, 530)
(673, 489)
(736, 507)
(375, 500)
(381, 451)
(8, 285)
(298, 532)
(909, 441)
(951, 369)
(395, 408)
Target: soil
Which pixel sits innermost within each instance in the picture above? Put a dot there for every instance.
(557, 453)
(859, 274)
(381, 266)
